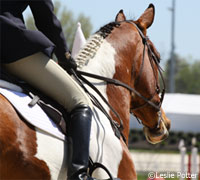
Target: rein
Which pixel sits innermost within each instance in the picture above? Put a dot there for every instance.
(117, 83)
(118, 128)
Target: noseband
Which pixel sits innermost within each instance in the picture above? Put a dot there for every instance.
(116, 82)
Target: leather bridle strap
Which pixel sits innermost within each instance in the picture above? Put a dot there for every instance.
(117, 83)
(145, 42)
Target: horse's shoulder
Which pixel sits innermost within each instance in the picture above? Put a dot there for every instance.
(4, 104)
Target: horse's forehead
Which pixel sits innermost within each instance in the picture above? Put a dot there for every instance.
(126, 40)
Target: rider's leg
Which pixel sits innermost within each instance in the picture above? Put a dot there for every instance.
(47, 76)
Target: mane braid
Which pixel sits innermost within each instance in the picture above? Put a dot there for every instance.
(107, 29)
(93, 44)
(89, 50)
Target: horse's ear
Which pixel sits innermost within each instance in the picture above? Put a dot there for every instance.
(146, 19)
(120, 16)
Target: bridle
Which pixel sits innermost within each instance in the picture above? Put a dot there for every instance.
(156, 61)
(157, 90)
(148, 101)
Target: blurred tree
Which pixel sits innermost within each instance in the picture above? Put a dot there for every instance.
(68, 21)
(186, 76)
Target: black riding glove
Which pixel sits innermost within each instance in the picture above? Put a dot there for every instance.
(68, 64)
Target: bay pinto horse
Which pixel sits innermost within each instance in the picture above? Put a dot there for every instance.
(116, 51)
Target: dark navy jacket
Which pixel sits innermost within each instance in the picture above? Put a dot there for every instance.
(17, 42)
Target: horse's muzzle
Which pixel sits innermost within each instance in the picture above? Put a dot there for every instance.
(156, 136)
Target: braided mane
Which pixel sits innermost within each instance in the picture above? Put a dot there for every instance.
(107, 29)
(93, 44)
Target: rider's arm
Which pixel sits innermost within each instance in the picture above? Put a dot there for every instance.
(48, 24)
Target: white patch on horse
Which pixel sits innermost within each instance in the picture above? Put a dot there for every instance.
(105, 147)
(51, 150)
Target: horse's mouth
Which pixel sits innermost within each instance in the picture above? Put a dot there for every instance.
(156, 136)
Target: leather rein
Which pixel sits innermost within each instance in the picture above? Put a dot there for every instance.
(79, 75)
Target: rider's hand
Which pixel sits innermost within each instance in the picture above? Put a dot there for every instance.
(69, 63)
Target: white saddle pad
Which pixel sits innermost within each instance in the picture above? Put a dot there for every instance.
(34, 115)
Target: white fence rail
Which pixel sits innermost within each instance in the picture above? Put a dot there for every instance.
(161, 162)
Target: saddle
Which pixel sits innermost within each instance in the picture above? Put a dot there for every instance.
(54, 110)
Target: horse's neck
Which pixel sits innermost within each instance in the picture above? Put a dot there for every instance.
(104, 63)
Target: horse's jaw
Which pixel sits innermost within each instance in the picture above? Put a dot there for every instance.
(156, 136)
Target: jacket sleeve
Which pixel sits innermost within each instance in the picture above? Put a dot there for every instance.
(48, 24)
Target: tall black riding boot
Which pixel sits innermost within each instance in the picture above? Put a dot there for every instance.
(79, 138)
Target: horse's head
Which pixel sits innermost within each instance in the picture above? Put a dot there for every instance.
(121, 50)
(146, 100)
